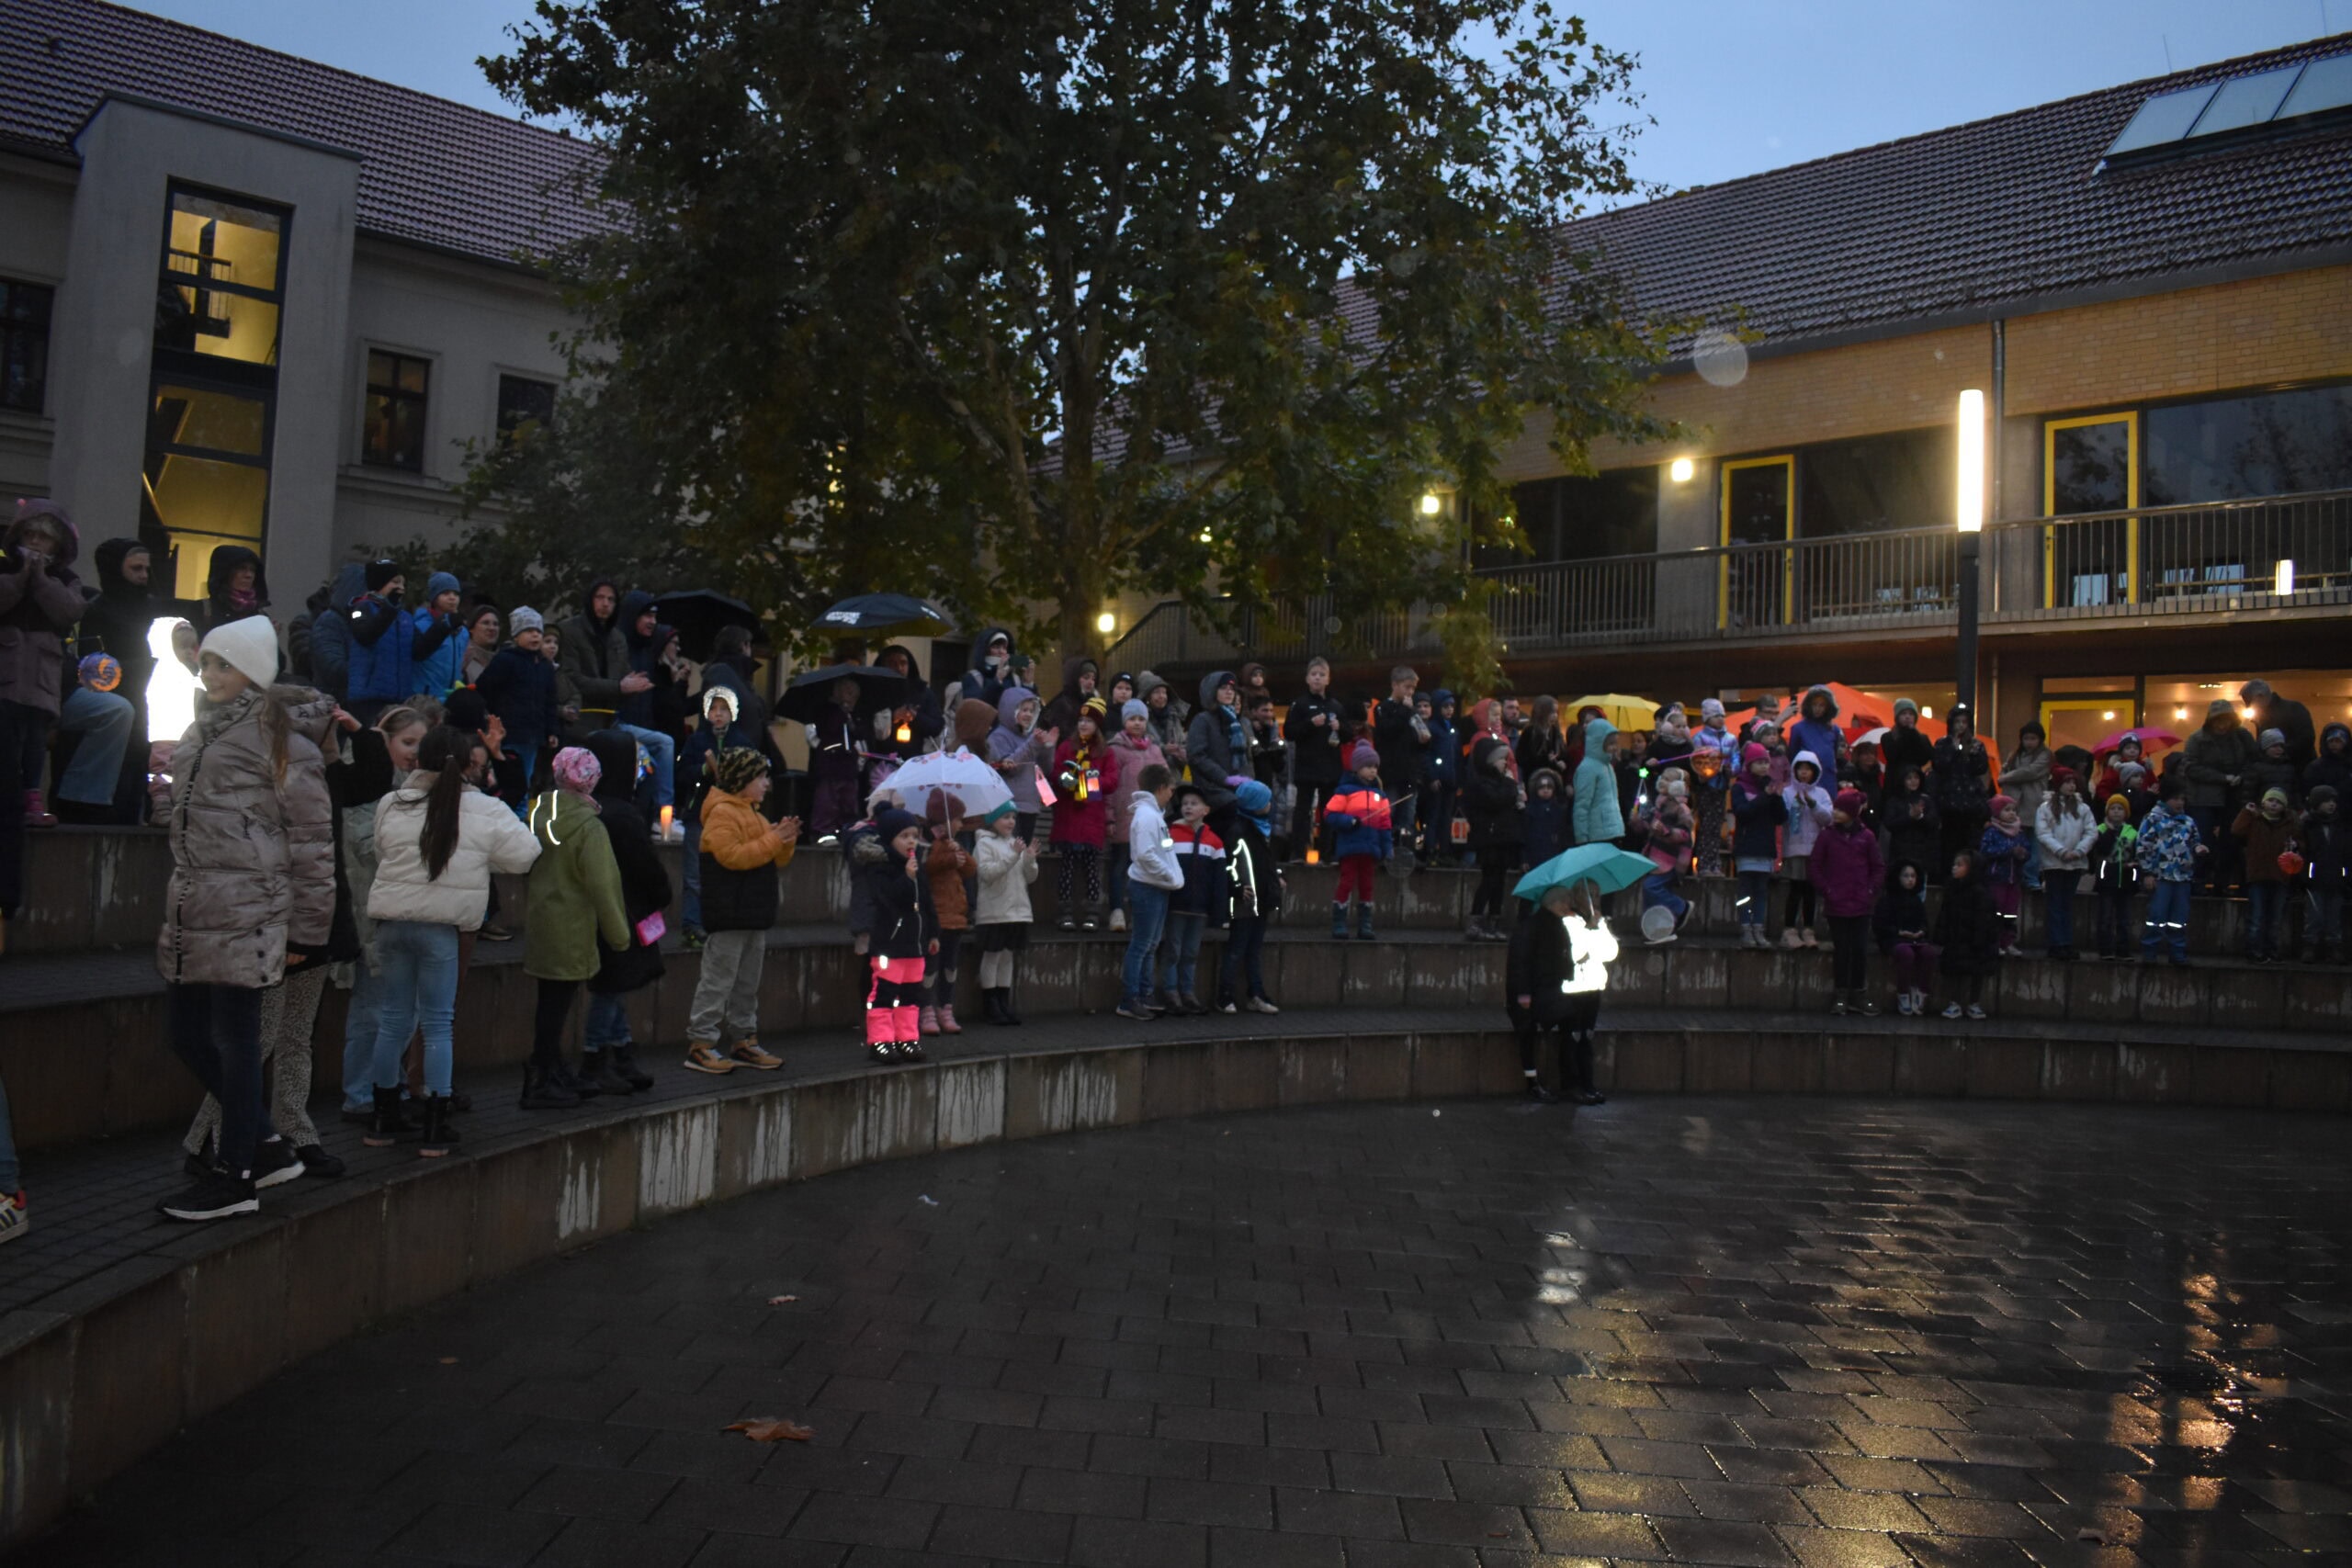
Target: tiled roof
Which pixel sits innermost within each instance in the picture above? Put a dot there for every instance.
(435, 171)
(2000, 209)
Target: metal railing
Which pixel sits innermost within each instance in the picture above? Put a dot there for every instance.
(2150, 561)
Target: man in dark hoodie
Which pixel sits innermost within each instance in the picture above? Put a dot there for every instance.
(595, 651)
(913, 728)
(992, 668)
(1079, 677)
(233, 589)
(331, 632)
(634, 714)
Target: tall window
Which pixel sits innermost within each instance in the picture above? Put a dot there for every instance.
(395, 433)
(213, 387)
(1585, 518)
(523, 401)
(24, 344)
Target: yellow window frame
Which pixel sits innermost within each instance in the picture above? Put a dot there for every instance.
(2130, 420)
(2124, 703)
(1787, 462)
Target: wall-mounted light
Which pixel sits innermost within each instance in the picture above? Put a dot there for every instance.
(1431, 504)
(2179, 713)
(1970, 495)
(1106, 623)
(1681, 471)
(2282, 581)
(1927, 711)
(2108, 715)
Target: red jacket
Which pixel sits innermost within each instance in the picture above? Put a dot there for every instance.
(1848, 868)
(1082, 812)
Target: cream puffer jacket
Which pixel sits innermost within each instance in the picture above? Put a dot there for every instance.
(253, 855)
(490, 837)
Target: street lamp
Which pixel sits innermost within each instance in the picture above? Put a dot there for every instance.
(1106, 623)
(1969, 514)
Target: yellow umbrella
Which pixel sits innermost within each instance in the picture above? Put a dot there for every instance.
(1624, 712)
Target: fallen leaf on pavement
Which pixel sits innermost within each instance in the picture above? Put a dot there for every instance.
(772, 1430)
(782, 1301)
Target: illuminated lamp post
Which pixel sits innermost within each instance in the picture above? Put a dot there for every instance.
(1969, 513)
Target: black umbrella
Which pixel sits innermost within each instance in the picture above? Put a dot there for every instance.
(810, 695)
(886, 613)
(700, 614)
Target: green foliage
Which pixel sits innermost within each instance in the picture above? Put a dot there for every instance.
(1024, 305)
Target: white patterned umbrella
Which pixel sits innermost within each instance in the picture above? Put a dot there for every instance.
(973, 780)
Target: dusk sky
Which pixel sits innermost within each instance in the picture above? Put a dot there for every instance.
(1735, 87)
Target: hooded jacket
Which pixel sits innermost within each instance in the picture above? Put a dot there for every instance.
(381, 639)
(983, 681)
(116, 622)
(520, 688)
(38, 607)
(595, 653)
(438, 643)
(1441, 758)
(1005, 874)
(709, 740)
(1215, 747)
(1061, 714)
(2219, 752)
(1596, 817)
(1758, 811)
(1167, 722)
(1809, 808)
(1818, 735)
(575, 891)
(925, 721)
(491, 837)
(740, 857)
(1546, 821)
(1151, 849)
(1846, 868)
(1132, 757)
(1019, 755)
(2332, 766)
(1962, 775)
(1360, 814)
(645, 886)
(220, 606)
(331, 632)
(253, 855)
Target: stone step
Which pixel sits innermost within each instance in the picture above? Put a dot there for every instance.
(103, 888)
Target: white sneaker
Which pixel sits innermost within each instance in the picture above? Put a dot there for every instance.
(1903, 1005)
(1951, 1009)
(1975, 1012)
(1791, 938)
(1260, 1004)
(1118, 920)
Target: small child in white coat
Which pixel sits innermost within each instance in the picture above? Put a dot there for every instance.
(1008, 865)
(1809, 810)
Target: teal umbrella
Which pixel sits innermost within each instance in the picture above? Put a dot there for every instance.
(1606, 867)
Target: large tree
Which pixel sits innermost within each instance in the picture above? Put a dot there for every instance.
(1039, 302)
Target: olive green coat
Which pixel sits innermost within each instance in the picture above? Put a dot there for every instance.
(575, 891)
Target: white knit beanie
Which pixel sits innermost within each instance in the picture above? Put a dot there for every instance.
(249, 646)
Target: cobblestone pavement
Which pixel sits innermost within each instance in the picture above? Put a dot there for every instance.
(1785, 1332)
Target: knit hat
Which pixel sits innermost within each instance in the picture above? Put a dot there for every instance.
(1131, 708)
(1001, 809)
(577, 769)
(1094, 705)
(1361, 755)
(893, 822)
(2219, 707)
(2063, 775)
(523, 618)
(1253, 796)
(735, 767)
(1712, 710)
(942, 805)
(249, 646)
(1903, 705)
(2001, 803)
(2321, 794)
(2268, 739)
(2274, 793)
(379, 573)
(1848, 801)
(2130, 773)
(1753, 753)
(440, 582)
(2115, 800)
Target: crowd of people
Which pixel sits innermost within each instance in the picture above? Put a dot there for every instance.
(352, 780)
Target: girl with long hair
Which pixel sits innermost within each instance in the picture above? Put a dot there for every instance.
(438, 841)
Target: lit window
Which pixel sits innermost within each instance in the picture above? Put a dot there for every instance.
(523, 401)
(221, 286)
(393, 437)
(24, 344)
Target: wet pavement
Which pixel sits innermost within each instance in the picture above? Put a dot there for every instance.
(1774, 1332)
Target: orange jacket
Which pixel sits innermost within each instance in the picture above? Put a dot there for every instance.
(735, 835)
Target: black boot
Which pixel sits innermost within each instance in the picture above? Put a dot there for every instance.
(439, 1137)
(1580, 1059)
(596, 1071)
(546, 1090)
(625, 1068)
(1004, 1005)
(389, 1124)
(992, 1005)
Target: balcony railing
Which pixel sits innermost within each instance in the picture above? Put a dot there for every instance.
(2149, 562)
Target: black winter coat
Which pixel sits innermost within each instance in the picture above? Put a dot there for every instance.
(1968, 929)
(1317, 759)
(645, 886)
(1539, 958)
(1962, 778)
(1490, 802)
(903, 922)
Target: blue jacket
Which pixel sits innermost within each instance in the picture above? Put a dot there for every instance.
(1442, 762)
(381, 634)
(1596, 817)
(1757, 815)
(1360, 814)
(331, 632)
(1819, 737)
(436, 647)
(519, 688)
(1547, 827)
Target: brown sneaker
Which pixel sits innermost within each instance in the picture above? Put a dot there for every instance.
(702, 1056)
(747, 1054)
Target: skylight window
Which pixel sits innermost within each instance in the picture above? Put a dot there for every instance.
(2171, 122)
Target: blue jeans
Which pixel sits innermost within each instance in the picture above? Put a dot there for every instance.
(1658, 892)
(359, 1036)
(664, 753)
(1755, 897)
(2265, 915)
(103, 720)
(420, 991)
(2058, 889)
(216, 1030)
(1147, 918)
(2032, 867)
(607, 1021)
(2167, 922)
(690, 865)
(1179, 951)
